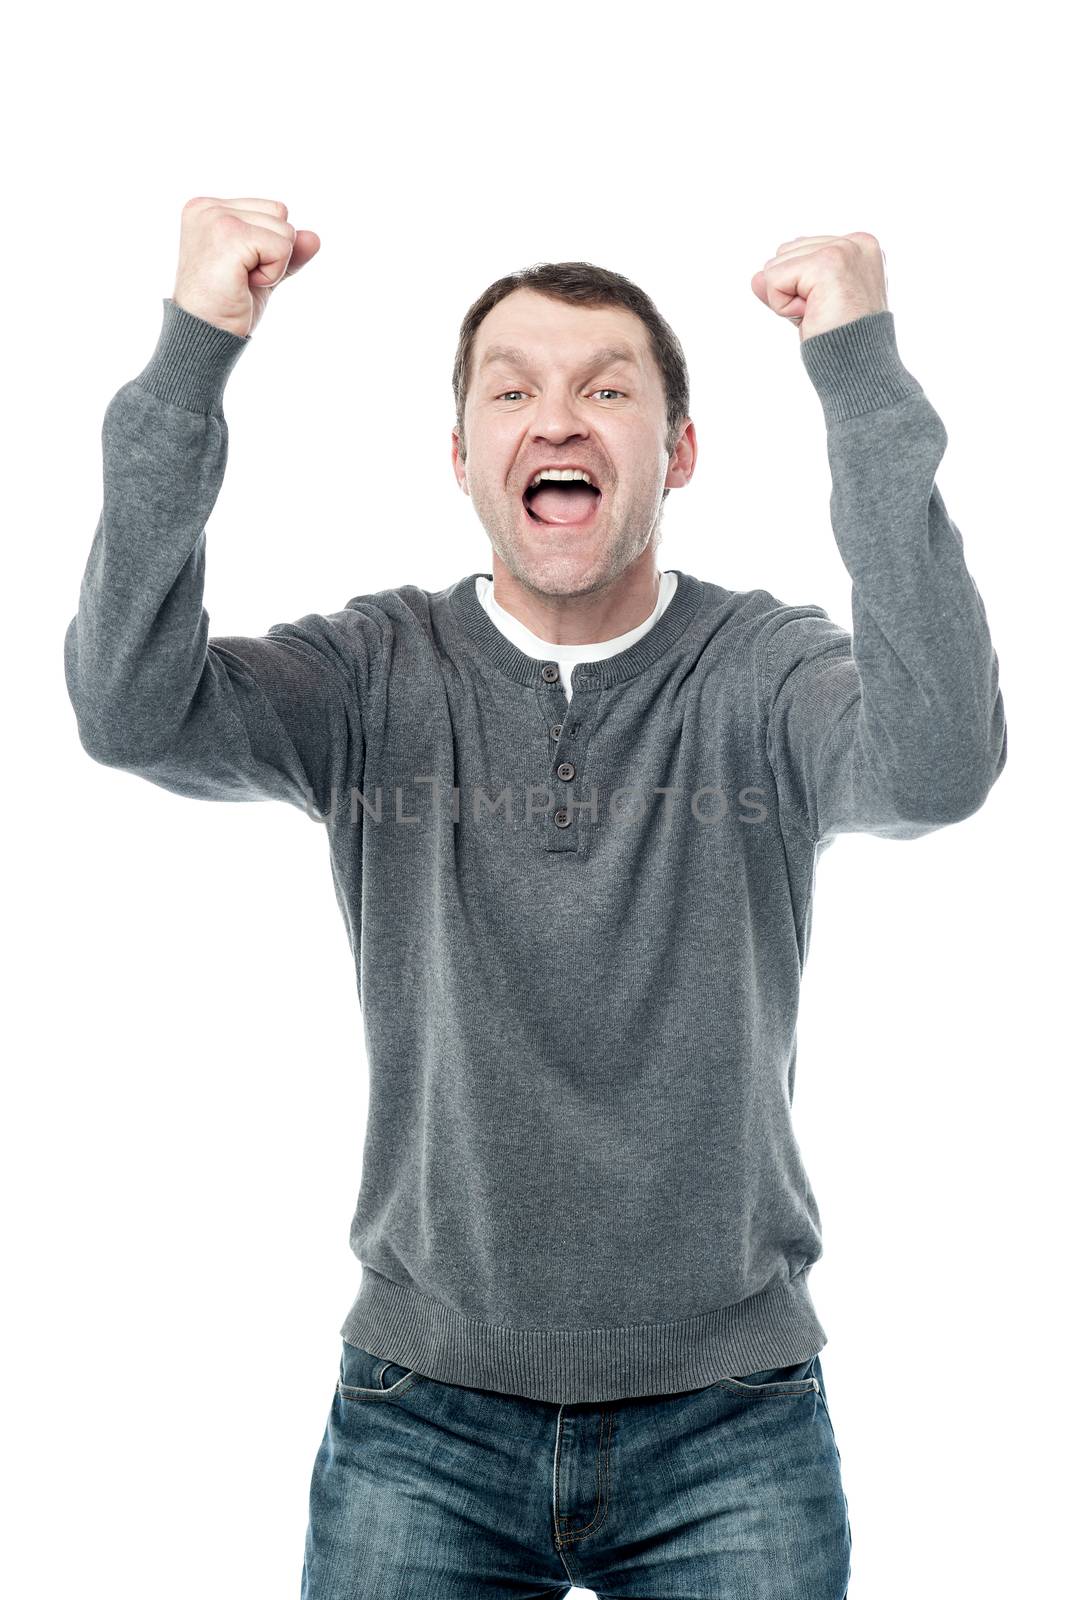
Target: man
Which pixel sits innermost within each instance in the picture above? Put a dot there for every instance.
(575, 808)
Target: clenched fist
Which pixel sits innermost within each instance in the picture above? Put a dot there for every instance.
(823, 280)
(233, 253)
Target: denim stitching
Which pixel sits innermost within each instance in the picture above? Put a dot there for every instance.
(782, 1391)
(602, 1476)
(349, 1391)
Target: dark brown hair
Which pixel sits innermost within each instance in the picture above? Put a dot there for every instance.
(582, 284)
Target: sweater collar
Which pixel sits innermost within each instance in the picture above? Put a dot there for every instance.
(481, 631)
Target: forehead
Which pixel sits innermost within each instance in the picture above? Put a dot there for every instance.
(557, 332)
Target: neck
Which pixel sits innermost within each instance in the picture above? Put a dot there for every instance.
(582, 618)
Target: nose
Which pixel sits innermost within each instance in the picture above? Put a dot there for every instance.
(558, 419)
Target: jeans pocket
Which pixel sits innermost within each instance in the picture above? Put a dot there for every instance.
(365, 1376)
(783, 1382)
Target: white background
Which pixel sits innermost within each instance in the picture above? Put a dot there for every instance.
(184, 1092)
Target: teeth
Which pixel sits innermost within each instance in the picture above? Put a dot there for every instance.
(553, 475)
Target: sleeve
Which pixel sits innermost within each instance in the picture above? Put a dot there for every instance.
(897, 728)
(226, 718)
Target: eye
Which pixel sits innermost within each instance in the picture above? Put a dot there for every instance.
(508, 392)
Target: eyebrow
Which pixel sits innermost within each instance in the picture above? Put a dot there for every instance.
(607, 355)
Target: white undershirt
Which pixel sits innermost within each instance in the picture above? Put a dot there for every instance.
(568, 654)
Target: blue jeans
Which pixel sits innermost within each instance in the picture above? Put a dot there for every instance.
(423, 1490)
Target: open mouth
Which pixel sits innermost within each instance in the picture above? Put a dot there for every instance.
(573, 504)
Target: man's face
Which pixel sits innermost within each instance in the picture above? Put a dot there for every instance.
(541, 394)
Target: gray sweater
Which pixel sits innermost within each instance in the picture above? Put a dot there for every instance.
(579, 927)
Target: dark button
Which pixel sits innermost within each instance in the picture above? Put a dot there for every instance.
(565, 769)
(549, 674)
(563, 819)
(556, 730)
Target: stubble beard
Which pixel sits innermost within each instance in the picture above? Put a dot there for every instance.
(564, 573)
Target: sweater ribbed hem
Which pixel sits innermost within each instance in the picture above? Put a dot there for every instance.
(192, 361)
(569, 1365)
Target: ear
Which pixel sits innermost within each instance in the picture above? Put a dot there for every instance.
(682, 461)
(458, 465)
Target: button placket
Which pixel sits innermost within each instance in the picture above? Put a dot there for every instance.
(557, 817)
(560, 833)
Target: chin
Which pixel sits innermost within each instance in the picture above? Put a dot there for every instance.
(562, 571)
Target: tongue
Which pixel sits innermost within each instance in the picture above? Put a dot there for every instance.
(564, 505)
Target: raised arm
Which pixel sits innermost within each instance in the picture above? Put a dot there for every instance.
(225, 718)
(899, 727)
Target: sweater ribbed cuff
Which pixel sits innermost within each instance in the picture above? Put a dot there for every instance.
(192, 361)
(856, 367)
